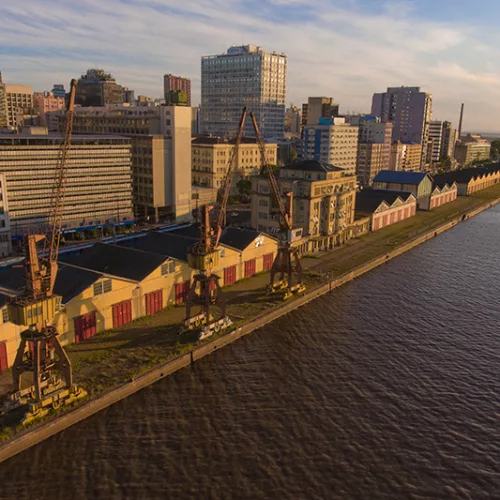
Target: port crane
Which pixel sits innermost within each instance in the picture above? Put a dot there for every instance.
(287, 263)
(205, 290)
(40, 352)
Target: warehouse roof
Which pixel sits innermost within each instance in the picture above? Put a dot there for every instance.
(312, 166)
(368, 200)
(166, 244)
(113, 260)
(400, 177)
(465, 175)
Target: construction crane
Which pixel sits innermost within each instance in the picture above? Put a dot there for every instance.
(205, 290)
(40, 352)
(287, 263)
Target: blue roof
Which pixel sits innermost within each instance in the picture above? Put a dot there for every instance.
(400, 177)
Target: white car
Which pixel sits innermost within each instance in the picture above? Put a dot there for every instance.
(235, 214)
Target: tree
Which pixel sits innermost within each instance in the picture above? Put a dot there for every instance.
(495, 150)
(263, 170)
(445, 163)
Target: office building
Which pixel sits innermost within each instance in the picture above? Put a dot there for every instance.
(210, 157)
(15, 101)
(175, 83)
(161, 154)
(374, 147)
(320, 107)
(472, 148)
(58, 90)
(405, 156)
(98, 186)
(128, 96)
(244, 76)
(449, 137)
(323, 202)
(47, 105)
(293, 121)
(332, 142)
(98, 88)
(434, 142)
(195, 121)
(410, 112)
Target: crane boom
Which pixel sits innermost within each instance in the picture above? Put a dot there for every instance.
(226, 185)
(286, 219)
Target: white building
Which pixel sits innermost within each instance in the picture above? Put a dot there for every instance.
(244, 76)
(435, 140)
(333, 142)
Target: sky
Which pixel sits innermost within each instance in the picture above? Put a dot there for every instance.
(347, 49)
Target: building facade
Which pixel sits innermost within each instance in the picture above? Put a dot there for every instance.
(15, 101)
(98, 88)
(174, 83)
(472, 148)
(320, 107)
(58, 90)
(405, 156)
(434, 144)
(47, 105)
(5, 230)
(161, 154)
(333, 142)
(410, 111)
(210, 159)
(293, 121)
(323, 202)
(244, 76)
(98, 183)
(449, 137)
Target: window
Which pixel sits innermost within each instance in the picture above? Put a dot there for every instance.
(5, 315)
(102, 287)
(107, 285)
(168, 268)
(97, 288)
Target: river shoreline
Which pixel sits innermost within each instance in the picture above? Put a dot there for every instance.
(55, 424)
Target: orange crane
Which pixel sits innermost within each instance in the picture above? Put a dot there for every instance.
(287, 263)
(40, 352)
(205, 290)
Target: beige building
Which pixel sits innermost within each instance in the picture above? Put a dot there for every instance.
(47, 105)
(320, 107)
(210, 158)
(323, 202)
(405, 157)
(472, 148)
(161, 154)
(332, 142)
(14, 100)
(98, 185)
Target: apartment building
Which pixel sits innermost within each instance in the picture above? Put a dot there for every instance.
(15, 100)
(449, 138)
(98, 185)
(244, 76)
(211, 155)
(434, 142)
(472, 148)
(320, 107)
(172, 83)
(161, 154)
(332, 142)
(405, 156)
(293, 121)
(323, 202)
(410, 111)
(47, 105)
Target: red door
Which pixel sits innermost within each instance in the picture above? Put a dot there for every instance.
(154, 302)
(122, 313)
(85, 327)
(181, 292)
(250, 266)
(230, 275)
(268, 261)
(3, 357)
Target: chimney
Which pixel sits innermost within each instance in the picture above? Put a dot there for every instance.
(460, 122)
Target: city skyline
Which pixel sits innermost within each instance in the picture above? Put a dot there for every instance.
(348, 50)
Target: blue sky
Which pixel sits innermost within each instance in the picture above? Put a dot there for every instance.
(347, 49)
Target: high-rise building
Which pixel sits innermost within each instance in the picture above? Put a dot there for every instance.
(320, 107)
(47, 105)
(161, 154)
(98, 184)
(58, 90)
(410, 112)
(405, 156)
(374, 147)
(434, 142)
(15, 100)
(333, 142)
(174, 83)
(449, 139)
(210, 156)
(293, 121)
(244, 76)
(128, 96)
(5, 236)
(472, 148)
(98, 88)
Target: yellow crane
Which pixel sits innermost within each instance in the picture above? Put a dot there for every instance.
(40, 352)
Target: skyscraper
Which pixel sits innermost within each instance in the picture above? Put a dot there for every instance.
(244, 76)
(435, 140)
(410, 112)
(448, 141)
(174, 83)
(98, 88)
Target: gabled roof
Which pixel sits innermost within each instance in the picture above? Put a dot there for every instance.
(400, 177)
(121, 262)
(368, 200)
(312, 166)
(465, 175)
(166, 244)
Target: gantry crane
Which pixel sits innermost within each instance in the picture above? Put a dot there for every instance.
(205, 290)
(287, 263)
(40, 352)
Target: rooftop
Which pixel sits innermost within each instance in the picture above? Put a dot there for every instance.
(312, 166)
(400, 177)
(465, 175)
(368, 200)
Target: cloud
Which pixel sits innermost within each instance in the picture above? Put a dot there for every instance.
(347, 49)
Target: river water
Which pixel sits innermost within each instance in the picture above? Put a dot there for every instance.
(387, 388)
